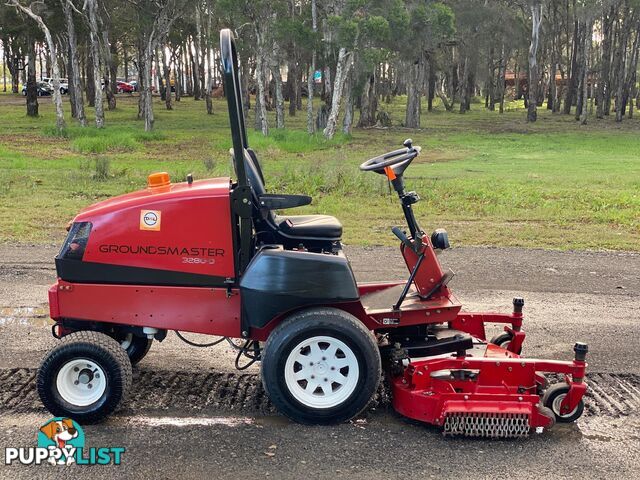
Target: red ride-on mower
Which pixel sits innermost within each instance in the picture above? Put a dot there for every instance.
(213, 257)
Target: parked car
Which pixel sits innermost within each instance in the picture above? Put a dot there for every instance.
(43, 89)
(64, 84)
(124, 87)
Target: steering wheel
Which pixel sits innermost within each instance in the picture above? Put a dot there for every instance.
(398, 159)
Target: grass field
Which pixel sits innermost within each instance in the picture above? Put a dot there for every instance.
(489, 179)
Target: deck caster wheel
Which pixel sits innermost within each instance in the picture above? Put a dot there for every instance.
(504, 340)
(136, 346)
(321, 366)
(552, 399)
(85, 377)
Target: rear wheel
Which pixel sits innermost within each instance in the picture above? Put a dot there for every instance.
(136, 346)
(321, 366)
(85, 377)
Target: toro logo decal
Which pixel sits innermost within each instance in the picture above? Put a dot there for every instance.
(150, 220)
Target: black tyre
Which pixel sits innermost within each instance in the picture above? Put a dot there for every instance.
(504, 340)
(552, 399)
(136, 346)
(321, 366)
(85, 377)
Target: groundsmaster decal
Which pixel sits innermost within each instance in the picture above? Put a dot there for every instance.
(162, 250)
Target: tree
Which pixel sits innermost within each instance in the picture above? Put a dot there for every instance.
(53, 58)
(91, 9)
(154, 20)
(536, 20)
(75, 92)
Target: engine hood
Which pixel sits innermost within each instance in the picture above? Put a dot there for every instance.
(210, 188)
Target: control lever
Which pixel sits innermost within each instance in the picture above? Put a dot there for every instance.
(402, 237)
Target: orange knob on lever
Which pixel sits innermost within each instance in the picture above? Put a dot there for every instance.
(391, 175)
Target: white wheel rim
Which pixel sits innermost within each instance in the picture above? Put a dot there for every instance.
(321, 372)
(126, 341)
(81, 382)
(557, 404)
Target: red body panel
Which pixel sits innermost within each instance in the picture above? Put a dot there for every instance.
(192, 231)
(202, 310)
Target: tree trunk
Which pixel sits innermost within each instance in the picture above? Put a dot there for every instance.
(111, 69)
(368, 102)
(588, 33)
(209, 78)
(501, 77)
(32, 88)
(311, 73)
(146, 93)
(92, 7)
(90, 85)
(261, 101)
(415, 80)
(464, 85)
(573, 76)
(536, 19)
(162, 88)
(177, 58)
(275, 72)
(633, 70)
(342, 70)
(4, 67)
(75, 88)
(167, 78)
(432, 86)
(194, 70)
(186, 55)
(292, 87)
(605, 63)
(619, 102)
(347, 121)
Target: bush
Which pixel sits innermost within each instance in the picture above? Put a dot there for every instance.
(94, 140)
(102, 168)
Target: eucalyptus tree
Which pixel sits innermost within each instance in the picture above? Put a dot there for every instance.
(32, 11)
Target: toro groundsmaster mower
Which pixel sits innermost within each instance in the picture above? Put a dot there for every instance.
(213, 257)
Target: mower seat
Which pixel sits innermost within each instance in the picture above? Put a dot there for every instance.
(319, 226)
(288, 229)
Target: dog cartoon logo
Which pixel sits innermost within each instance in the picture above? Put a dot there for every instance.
(62, 437)
(61, 441)
(60, 431)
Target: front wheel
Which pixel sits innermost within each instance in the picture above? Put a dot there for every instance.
(321, 366)
(85, 377)
(504, 341)
(552, 399)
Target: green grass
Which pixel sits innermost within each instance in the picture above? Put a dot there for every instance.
(489, 179)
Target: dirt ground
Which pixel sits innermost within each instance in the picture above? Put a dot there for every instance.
(191, 414)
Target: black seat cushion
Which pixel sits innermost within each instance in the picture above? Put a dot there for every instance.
(318, 226)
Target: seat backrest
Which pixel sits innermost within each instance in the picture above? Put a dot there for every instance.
(256, 180)
(254, 172)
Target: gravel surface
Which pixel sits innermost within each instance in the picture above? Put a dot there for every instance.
(191, 414)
